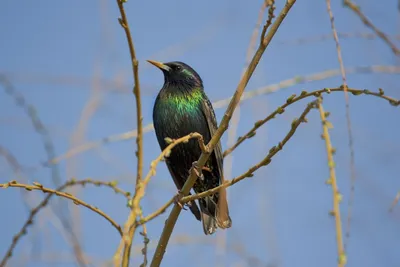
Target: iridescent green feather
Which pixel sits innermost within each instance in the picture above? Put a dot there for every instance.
(187, 102)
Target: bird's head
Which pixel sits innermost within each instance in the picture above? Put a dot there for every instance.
(178, 73)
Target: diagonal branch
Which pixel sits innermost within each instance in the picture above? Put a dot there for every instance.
(163, 242)
(356, 9)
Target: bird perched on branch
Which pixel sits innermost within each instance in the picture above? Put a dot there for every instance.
(181, 108)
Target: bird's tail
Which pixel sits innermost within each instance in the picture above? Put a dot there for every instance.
(214, 213)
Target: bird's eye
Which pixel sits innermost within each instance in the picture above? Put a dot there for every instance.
(178, 67)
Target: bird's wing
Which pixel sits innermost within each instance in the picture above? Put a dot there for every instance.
(222, 212)
(209, 114)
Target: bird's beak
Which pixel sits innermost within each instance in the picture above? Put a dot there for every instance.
(159, 65)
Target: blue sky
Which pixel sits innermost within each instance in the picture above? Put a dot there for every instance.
(62, 55)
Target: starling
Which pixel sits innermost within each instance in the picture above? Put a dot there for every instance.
(181, 108)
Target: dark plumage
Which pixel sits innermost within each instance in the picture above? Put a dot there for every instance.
(181, 108)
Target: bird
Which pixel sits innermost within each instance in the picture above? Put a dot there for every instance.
(181, 108)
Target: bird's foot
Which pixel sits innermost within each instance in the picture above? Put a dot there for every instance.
(198, 171)
(178, 198)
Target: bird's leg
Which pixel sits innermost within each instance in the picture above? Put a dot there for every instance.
(197, 170)
(178, 198)
(179, 195)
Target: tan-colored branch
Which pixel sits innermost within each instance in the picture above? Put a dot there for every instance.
(369, 24)
(130, 225)
(139, 140)
(77, 201)
(161, 210)
(136, 89)
(163, 242)
(332, 181)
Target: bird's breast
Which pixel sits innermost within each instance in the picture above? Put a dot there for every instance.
(176, 121)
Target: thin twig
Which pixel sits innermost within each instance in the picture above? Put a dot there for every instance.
(356, 9)
(139, 140)
(136, 89)
(348, 120)
(332, 181)
(163, 242)
(146, 241)
(159, 211)
(77, 201)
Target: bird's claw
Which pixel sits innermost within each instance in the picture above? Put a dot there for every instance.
(197, 171)
(178, 198)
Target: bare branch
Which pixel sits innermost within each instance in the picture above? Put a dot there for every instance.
(139, 140)
(356, 9)
(136, 89)
(348, 120)
(332, 181)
